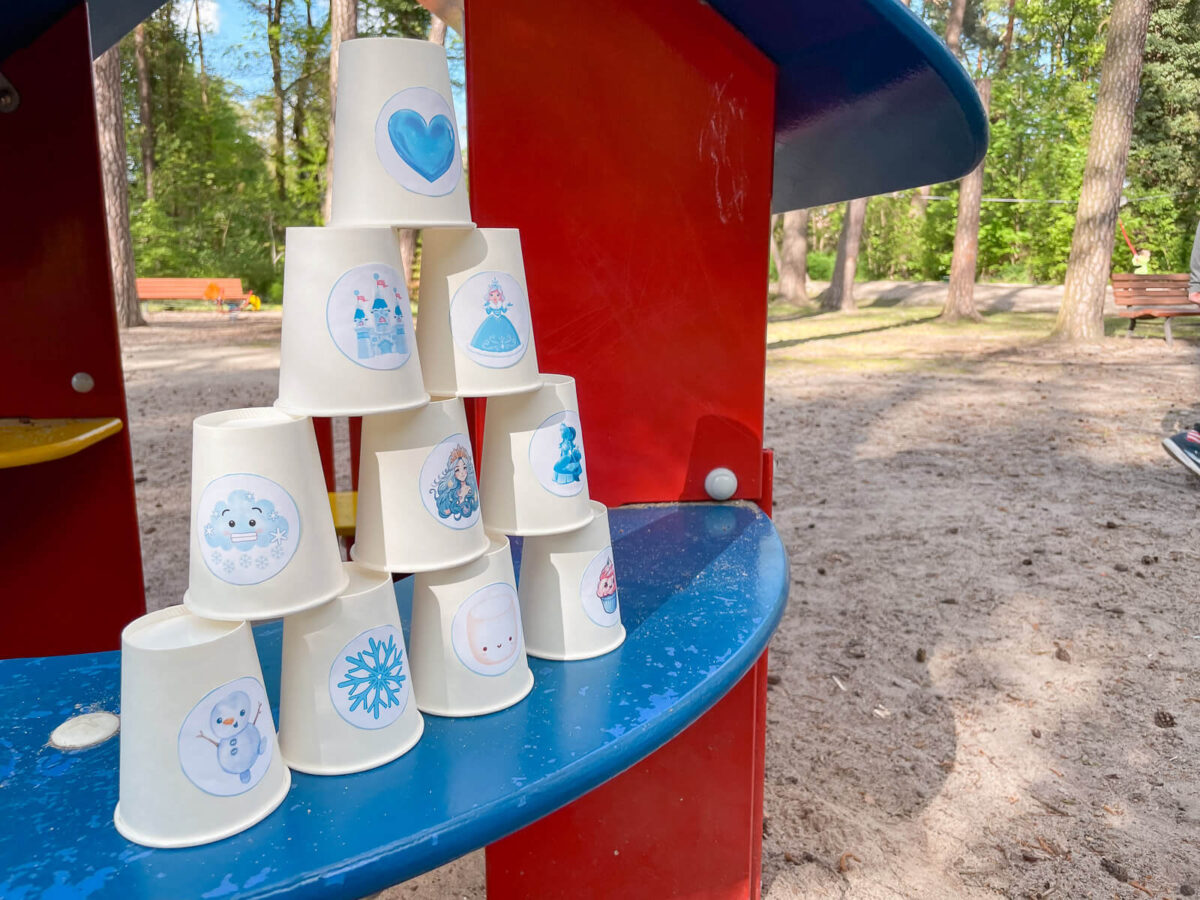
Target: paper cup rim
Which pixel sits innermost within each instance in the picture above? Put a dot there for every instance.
(302, 411)
(129, 634)
(415, 224)
(376, 578)
(571, 657)
(148, 840)
(460, 713)
(527, 388)
(268, 416)
(259, 615)
(518, 531)
(419, 567)
(550, 379)
(363, 766)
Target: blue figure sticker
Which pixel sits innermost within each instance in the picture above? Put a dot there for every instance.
(556, 454)
(489, 319)
(248, 528)
(368, 314)
(449, 488)
(416, 140)
(227, 741)
(368, 681)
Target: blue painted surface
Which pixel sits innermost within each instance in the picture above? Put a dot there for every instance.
(702, 589)
(868, 99)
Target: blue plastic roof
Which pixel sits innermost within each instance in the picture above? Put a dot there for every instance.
(868, 99)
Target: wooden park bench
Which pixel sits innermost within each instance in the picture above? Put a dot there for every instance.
(1152, 297)
(216, 290)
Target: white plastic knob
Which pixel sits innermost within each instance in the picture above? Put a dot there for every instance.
(82, 382)
(720, 484)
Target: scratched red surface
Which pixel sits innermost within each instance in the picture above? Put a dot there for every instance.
(69, 552)
(631, 143)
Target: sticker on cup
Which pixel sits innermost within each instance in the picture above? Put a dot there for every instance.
(486, 631)
(556, 454)
(598, 590)
(368, 681)
(248, 528)
(416, 141)
(227, 741)
(369, 315)
(449, 488)
(489, 318)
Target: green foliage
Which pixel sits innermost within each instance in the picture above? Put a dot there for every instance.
(820, 265)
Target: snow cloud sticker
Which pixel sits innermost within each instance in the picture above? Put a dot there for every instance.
(417, 143)
(556, 454)
(368, 681)
(248, 528)
(489, 318)
(228, 739)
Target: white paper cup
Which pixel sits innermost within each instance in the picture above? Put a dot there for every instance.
(568, 590)
(468, 653)
(345, 697)
(347, 347)
(262, 542)
(199, 760)
(534, 478)
(397, 156)
(418, 493)
(476, 332)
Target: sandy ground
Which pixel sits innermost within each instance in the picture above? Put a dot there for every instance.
(986, 683)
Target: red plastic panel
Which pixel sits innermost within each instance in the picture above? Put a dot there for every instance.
(632, 143)
(685, 822)
(71, 529)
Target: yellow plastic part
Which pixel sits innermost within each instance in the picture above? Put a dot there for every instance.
(24, 442)
(344, 505)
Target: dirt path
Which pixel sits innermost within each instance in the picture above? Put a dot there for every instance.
(992, 600)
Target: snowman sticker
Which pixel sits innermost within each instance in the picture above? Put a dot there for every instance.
(227, 740)
(486, 631)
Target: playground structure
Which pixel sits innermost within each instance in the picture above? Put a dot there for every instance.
(701, 115)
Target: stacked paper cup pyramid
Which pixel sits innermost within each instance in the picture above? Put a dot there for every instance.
(200, 756)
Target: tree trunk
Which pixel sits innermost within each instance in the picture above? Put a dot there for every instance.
(274, 33)
(1081, 317)
(840, 293)
(343, 26)
(200, 53)
(793, 263)
(437, 30)
(303, 86)
(960, 301)
(110, 122)
(145, 112)
(954, 24)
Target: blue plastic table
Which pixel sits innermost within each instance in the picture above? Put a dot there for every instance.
(702, 589)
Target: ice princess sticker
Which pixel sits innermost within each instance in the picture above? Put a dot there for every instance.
(486, 631)
(248, 528)
(368, 681)
(556, 454)
(367, 313)
(416, 141)
(598, 590)
(227, 741)
(449, 488)
(489, 318)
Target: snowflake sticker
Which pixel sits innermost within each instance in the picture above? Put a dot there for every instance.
(368, 681)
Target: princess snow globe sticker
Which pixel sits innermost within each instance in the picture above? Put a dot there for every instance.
(489, 319)
(556, 454)
(449, 488)
(248, 527)
(368, 316)
(227, 741)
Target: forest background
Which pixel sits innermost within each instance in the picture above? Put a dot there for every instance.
(217, 171)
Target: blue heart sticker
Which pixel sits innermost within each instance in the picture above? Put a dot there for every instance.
(427, 148)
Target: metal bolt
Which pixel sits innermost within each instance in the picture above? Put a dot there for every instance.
(720, 484)
(9, 98)
(82, 382)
